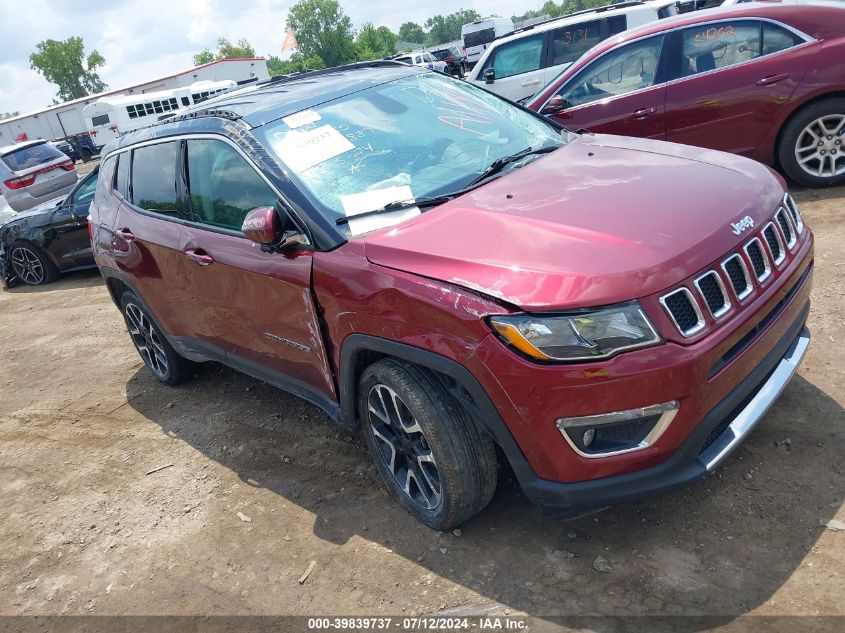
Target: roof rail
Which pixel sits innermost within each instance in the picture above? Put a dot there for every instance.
(325, 71)
(608, 7)
(198, 114)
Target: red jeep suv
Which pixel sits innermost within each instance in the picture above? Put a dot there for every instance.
(462, 281)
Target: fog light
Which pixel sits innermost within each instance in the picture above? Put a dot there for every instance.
(618, 432)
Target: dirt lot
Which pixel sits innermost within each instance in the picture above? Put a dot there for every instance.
(86, 531)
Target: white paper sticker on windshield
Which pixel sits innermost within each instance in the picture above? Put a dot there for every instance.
(302, 150)
(301, 118)
(357, 203)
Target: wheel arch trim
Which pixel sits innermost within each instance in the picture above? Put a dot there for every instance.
(491, 422)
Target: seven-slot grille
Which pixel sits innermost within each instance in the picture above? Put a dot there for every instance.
(719, 289)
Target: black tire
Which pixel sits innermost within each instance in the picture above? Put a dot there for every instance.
(158, 355)
(463, 71)
(795, 139)
(454, 473)
(85, 154)
(31, 265)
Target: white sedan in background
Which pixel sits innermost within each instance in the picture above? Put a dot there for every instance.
(426, 60)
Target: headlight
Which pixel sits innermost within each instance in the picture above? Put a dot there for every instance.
(588, 335)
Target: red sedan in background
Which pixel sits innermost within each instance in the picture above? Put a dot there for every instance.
(762, 80)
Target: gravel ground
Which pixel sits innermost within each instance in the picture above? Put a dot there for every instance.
(255, 484)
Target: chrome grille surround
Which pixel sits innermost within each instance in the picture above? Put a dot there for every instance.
(778, 251)
(769, 249)
(726, 302)
(767, 268)
(794, 213)
(695, 329)
(749, 288)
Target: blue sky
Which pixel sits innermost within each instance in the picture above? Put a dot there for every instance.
(144, 39)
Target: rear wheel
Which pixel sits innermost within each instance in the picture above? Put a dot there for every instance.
(812, 146)
(31, 265)
(432, 458)
(158, 355)
(85, 154)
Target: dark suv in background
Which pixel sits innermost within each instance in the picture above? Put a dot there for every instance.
(456, 277)
(455, 58)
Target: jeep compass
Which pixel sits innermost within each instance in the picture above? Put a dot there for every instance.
(462, 281)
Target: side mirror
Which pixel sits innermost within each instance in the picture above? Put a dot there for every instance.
(272, 230)
(555, 105)
(489, 75)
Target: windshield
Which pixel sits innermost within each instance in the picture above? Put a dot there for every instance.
(425, 132)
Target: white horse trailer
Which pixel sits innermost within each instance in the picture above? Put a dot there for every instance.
(109, 117)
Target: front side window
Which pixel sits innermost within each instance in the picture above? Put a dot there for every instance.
(425, 132)
(224, 187)
(154, 177)
(570, 42)
(718, 45)
(628, 68)
(517, 57)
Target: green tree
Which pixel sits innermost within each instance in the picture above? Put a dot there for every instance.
(9, 115)
(225, 50)
(446, 28)
(322, 30)
(64, 63)
(374, 43)
(411, 32)
(296, 64)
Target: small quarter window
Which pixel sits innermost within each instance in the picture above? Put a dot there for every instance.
(776, 39)
(121, 176)
(154, 177)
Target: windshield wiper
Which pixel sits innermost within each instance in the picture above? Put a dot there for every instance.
(390, 207)
(423, 203)
(500, 163)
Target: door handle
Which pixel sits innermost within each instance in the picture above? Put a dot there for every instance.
(125, 234)
(771, 79)
(531, 82)
(642, 113)
(199, 256)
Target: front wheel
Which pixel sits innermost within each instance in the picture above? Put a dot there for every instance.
(812, 145)
(158, 355)
(431, 456)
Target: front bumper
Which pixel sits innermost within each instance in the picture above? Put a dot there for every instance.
(716, 436)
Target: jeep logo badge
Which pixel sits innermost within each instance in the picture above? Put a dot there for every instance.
(742, 225)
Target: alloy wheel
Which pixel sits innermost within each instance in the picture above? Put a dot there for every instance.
(147, 340)
(820, 148)
(403, 447)
(27, 266)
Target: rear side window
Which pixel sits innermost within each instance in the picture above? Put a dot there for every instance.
(478, 38)
(719, 45)
(31, 156)
(570, 42)
(154, 177)
(777, 38)
(224, 187)
(121, 176)
(517, 57)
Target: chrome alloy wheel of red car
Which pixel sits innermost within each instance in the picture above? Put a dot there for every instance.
(820, 149)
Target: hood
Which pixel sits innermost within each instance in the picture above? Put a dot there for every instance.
(604, 219)
(44, 209)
